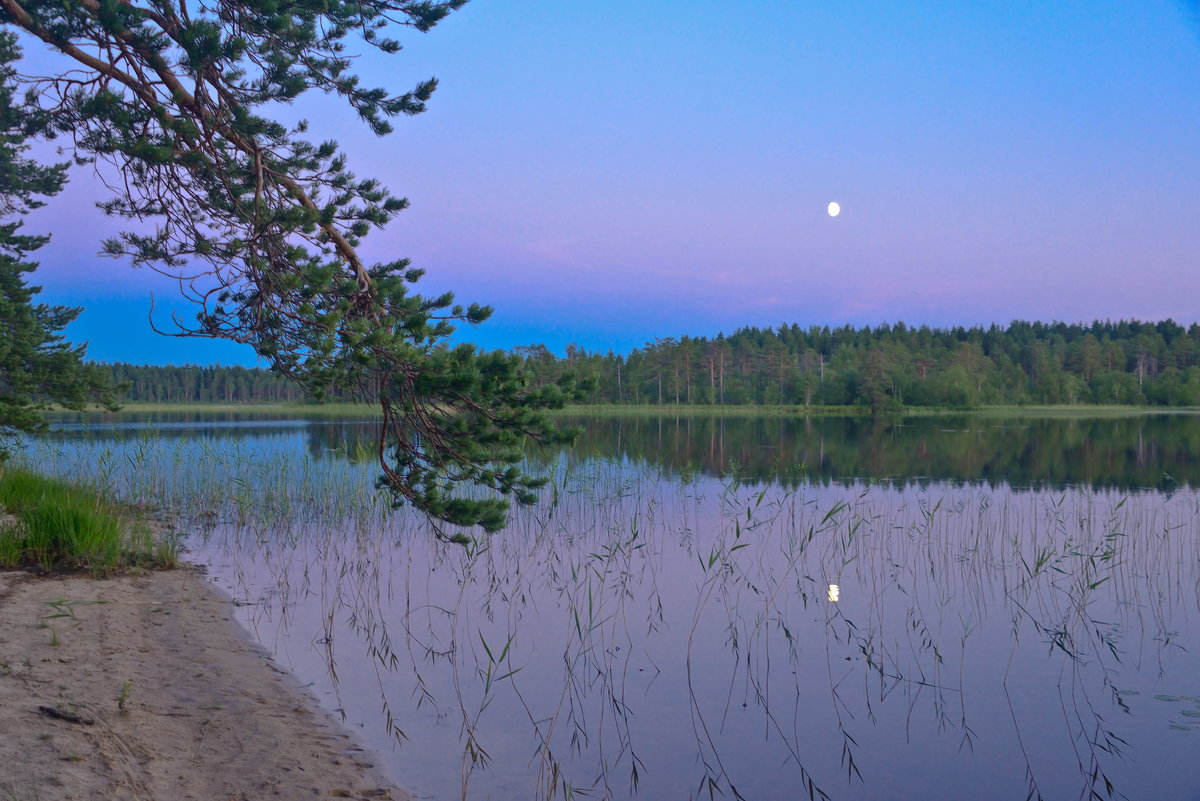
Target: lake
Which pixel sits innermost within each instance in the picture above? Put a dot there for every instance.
(741, 607)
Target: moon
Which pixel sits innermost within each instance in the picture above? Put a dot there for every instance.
(834, 209)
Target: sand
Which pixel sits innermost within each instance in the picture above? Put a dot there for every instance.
(144, 687)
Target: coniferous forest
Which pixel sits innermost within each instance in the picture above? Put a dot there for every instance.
(202, 384)
(889, 366)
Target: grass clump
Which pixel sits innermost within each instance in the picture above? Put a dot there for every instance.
(50, 525)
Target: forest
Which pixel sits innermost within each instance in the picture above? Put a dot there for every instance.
(894, 366)
(884, 367)
(201, 384)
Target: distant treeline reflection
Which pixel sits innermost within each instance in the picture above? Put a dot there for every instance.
(1132, 452)
(1141, 452)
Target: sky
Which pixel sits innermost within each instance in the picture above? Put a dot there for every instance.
(607, 173)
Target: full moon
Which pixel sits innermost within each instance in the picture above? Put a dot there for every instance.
(834, 209)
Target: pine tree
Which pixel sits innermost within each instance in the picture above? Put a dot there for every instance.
(262, 226)
(38, 367)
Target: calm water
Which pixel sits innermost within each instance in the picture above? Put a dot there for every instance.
(764, 608)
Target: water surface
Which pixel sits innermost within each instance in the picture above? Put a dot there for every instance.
(730, 607)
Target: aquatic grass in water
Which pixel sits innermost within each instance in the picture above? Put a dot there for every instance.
(631, 587)
(639, 634)
(227, 481)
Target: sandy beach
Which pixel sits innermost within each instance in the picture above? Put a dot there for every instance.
(143, 687)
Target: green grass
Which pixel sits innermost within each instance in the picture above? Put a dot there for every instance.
(55, 526)
(682, 410)
(704, 410)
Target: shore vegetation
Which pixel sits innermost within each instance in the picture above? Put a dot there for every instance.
(365, 411)
(51, 525)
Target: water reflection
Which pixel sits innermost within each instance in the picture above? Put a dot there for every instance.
(1152, 451)
(1124, 453)
(656, 630)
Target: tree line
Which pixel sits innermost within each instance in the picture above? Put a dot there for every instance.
(884, 367)
(141, 383)
(894, 366)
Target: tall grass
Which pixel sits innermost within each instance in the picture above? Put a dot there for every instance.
(53, 525)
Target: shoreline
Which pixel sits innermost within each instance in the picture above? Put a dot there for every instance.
(370, 412)
(145, 687)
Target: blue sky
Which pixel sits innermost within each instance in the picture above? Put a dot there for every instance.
(608, 173)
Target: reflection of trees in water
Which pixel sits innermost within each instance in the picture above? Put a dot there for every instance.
(121, 428)
(1136, 452)
(356, 441)
(1125, 453)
